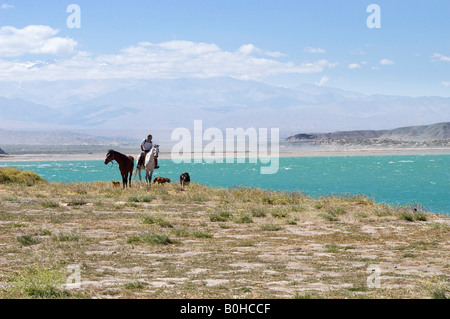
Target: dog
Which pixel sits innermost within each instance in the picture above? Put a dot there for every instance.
(185, 179)
(116, 184)
(161, 180)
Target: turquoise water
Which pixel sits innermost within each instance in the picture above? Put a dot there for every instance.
(396, 180)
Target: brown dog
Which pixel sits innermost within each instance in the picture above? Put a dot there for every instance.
(185, 179)
(161, 180)
(116, 184)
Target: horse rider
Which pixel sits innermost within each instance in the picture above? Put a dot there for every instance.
(146, 146)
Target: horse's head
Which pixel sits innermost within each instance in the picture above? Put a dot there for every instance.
(109, 157)
(156, 150)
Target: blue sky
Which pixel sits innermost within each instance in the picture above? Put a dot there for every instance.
(322, 42)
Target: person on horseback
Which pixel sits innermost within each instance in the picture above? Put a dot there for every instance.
(146, 147)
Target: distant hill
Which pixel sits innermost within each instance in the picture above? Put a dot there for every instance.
(2, 152)
(436, 134)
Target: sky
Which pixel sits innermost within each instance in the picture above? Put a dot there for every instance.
(398, 48)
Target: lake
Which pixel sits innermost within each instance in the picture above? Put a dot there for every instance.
(395, 180)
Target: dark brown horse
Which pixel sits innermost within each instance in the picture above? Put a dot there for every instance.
(126, 165)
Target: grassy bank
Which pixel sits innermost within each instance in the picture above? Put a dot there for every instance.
(213, 243)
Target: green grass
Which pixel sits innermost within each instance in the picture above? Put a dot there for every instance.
(259, 212)
(279, 213)
(77, 202)
(64, 237)
(271, 227)
(223, 216)
(331, 249)
(151, 238)
(44, 232)
(37, 282)
(410, 216)
(135, 285)
(358, 289)
(420, 245)
(50, 204)
(439, 293)
(157, 220)
(200, 234)
(16, 176)
(141, 199)
(329, 217)
(335, 211)
(27, 240)
(243, 219)
(19, 225)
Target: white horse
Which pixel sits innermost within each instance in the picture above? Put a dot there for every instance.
(149, 165)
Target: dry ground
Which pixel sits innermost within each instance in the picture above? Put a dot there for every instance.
(214, 243)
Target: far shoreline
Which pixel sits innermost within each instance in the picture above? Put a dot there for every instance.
(317, 152)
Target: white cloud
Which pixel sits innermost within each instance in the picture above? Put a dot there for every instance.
(6, 6)
(33, 39)
(387, 62)
(323, 81)
(353, 66)
(446, 84)
(314, 50)
(248, 49)
(440, 57)
(172, 59)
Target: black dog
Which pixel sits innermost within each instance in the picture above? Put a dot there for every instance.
(185, 179)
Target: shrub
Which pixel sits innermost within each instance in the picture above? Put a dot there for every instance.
(199, 234)
(141, 199)
(37, 282)
(27, 240)
(135, 285)
(157, 220)
(271, 227)
(220, 217)
(151, 238)
(279, 213)
(259, 212)
(50, 204)
(336, 211)
(66, 237)
(244, 219)
(14, 175)
(410, 217)
(329, 217)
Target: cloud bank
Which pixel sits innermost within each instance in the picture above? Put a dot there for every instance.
(172, 59)
(34, 39)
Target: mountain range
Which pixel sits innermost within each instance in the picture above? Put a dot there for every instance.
(132, 108)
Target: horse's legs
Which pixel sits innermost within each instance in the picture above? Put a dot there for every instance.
(148, 178)
(129, 179)
(124, 180)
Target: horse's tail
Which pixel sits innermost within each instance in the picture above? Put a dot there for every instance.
(136, 171)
